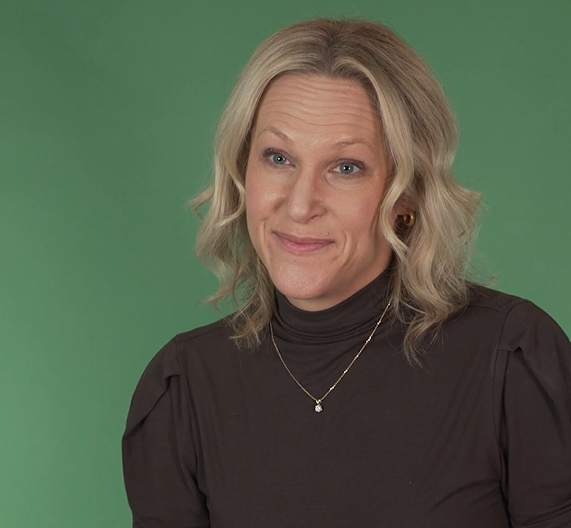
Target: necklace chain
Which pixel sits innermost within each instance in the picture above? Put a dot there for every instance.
(319, 401)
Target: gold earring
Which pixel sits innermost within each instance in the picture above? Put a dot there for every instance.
(409, 219)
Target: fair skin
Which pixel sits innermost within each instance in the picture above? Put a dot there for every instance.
(315, 180)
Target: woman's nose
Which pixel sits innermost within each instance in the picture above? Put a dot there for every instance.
(304, 199)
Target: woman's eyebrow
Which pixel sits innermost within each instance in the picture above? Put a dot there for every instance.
(275, 132)
(339, 144)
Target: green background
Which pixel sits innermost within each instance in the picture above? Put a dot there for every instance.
(107, 112)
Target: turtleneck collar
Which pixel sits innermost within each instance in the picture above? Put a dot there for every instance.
(348, 319)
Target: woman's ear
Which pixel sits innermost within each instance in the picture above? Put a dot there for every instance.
(399, 209)
(404, 215)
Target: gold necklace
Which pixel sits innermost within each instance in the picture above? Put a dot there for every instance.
(319, 401)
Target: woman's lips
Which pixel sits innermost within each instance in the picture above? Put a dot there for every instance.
(301, 245)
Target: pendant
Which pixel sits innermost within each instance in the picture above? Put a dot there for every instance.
(318, 407)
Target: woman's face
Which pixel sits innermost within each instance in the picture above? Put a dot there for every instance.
(315, 178)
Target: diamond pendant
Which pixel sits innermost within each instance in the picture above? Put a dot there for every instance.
(318, 407)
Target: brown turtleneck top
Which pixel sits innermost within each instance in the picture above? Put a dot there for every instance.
(479, 438)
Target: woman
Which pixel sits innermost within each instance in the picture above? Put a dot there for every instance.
(362, 381)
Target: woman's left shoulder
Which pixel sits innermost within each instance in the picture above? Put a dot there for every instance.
(482, 297)
(524, 324)
(531, 370)
(530, 344)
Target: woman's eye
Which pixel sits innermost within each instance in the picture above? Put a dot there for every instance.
(347, 168)
(277, 159)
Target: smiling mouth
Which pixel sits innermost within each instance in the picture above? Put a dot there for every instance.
(301, 245)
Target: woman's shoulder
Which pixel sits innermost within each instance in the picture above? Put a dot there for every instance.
(497, 301)
(206, 337)
(207, 347)
(218, 332)
(198, 350)
(524, 324)
(506, 306)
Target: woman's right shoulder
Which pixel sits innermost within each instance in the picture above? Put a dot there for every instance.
(210, 344)
(215, 331)
(204, 350)
(208, 339)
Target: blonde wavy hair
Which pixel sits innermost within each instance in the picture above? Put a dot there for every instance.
(431, 259)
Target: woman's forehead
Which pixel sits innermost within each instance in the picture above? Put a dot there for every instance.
(300, 103)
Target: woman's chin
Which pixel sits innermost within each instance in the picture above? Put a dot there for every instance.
(307, 295)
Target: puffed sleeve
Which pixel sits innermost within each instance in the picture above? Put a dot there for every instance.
(159, 463)
(536, 429)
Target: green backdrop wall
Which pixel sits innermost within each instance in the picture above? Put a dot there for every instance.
(107, 111)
